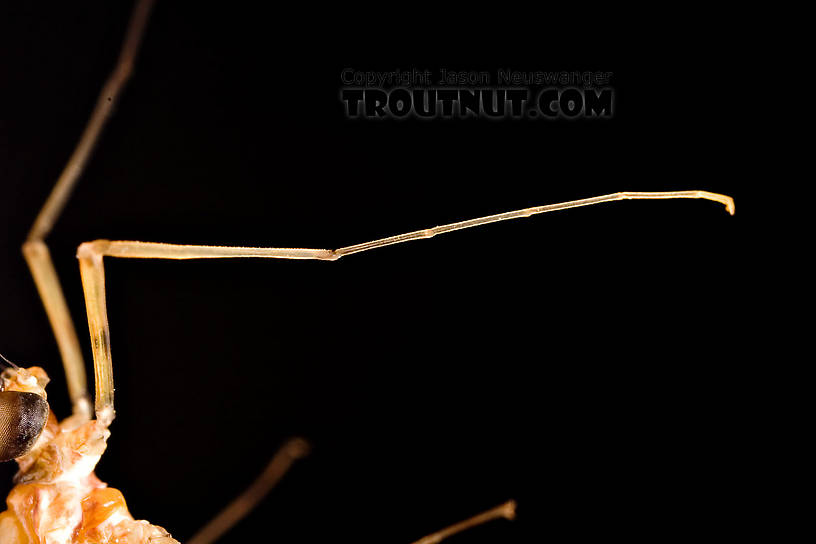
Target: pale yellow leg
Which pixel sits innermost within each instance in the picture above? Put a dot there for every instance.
(35, 250)
(90, 256)
(105, 104)
(48, 285)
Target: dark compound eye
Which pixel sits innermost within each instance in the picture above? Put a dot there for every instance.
(22, 419)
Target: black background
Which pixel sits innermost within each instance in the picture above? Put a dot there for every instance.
(580, 362)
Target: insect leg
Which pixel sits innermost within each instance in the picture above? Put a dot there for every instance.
(36, 251)
(90, 256)
(244, 503)
(48, 285)
(527, 212)
(506, 510)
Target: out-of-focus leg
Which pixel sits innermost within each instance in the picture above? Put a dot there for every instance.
(243, 504)
(506, 510)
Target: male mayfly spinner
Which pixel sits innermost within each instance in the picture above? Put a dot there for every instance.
(57, 498)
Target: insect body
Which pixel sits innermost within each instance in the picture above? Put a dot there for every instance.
(58, 499)
(81, 442)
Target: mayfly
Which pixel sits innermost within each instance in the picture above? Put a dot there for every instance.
(57, 497)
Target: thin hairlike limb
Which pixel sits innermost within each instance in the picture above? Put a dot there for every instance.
(91, 267)
(154, 250)
(36, 252)
(45, 277)
(105, 104)
(90, 256)
(506, 510)
(527, 212)
(92, 271)
(293, 450)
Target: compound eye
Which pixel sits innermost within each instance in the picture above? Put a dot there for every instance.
(22, 418)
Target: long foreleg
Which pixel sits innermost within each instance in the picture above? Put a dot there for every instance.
(91, 255)
(36, 251)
